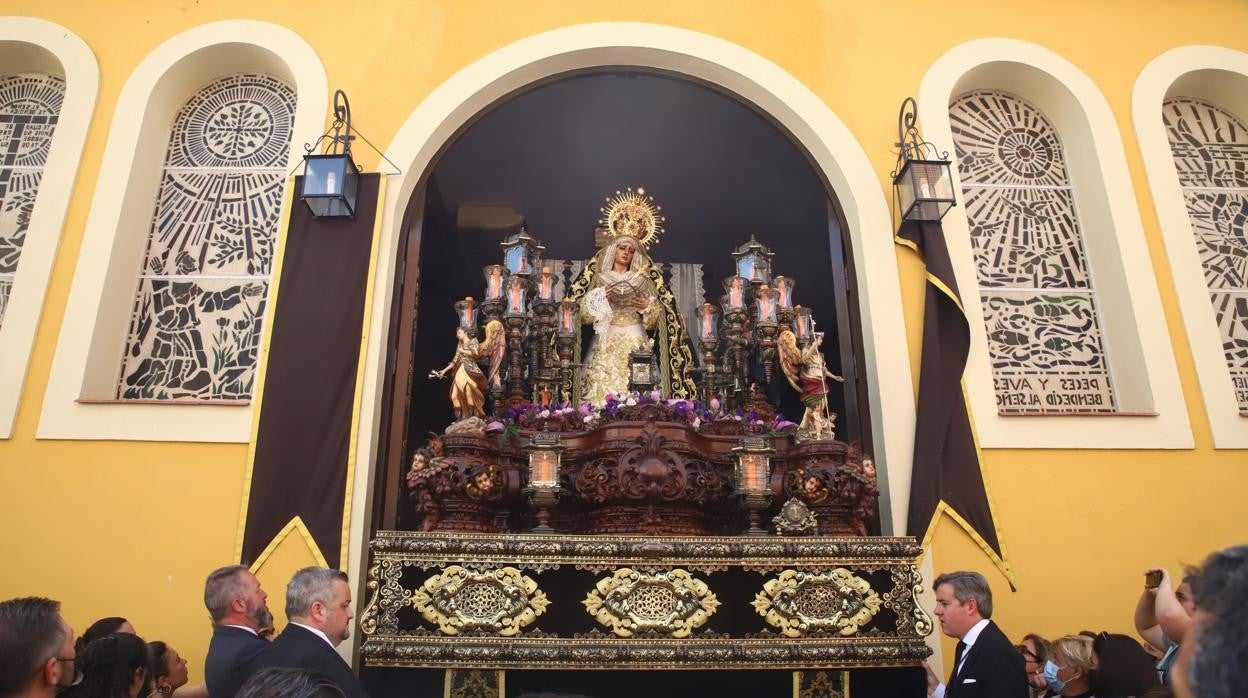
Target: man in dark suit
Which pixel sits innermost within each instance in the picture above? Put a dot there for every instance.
(239, 610)
(986, 663)
(318, 603)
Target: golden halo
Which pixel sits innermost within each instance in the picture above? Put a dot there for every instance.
(633, 213)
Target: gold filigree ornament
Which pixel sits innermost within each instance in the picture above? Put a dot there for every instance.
(670, 603)
(800, 603)
(633, 213)
(501, 601)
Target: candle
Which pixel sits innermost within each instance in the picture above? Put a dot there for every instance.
(546, 290)
(566, 313)
(493, 282)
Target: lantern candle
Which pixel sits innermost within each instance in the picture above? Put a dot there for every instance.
(467, 312)
(784, 286)
(708, 325)
(767, 304)
(494, 276)
(801, 322)
(546, 285)
(567, 316)
(516, 300)
(734, 286)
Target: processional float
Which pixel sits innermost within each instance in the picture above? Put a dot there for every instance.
(618, 493)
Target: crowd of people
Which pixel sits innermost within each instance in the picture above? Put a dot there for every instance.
(39, 657)
(1193, 643)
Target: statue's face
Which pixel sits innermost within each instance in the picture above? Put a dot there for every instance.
(624, 254)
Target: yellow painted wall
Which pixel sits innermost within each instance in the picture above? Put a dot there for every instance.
(132, 528)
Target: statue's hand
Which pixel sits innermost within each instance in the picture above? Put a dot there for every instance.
(437, 374)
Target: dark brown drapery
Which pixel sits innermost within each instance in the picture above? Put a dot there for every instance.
(947, 474)
(303, 437)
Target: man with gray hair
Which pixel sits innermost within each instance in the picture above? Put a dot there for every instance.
(239, 610)
(986, 663)
(36, 648)
(318, 604)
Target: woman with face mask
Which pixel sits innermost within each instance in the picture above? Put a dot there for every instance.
(1069, 666)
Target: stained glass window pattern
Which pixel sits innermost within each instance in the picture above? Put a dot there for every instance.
(1210, 149)
(1036, 289)
(195, 328)
(30, 104)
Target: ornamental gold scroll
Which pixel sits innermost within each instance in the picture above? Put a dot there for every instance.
(670, 603)
(802, 603)
(501, 601)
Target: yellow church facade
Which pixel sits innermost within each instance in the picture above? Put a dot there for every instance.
(120, 503)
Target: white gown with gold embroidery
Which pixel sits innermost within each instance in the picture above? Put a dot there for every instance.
(617, 333)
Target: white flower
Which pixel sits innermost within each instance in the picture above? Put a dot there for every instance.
(630, 401)
(544, 414)
(697, 422)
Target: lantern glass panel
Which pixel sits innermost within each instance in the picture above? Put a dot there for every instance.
(546, 285)
(925, 190)
(801, 322)
(330, 183)
(568, 313)
(708, 321)
(754, 471)
(517, 299)
(495, 279)
(765, 307)
(544, 468)
(784, 286)
(735, 290)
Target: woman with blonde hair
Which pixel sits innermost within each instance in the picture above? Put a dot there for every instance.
(1069, 667)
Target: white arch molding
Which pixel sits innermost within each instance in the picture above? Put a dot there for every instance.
(886, 364)
(1219, 75)
(1153, 413)
(78, 400)
(30, 44)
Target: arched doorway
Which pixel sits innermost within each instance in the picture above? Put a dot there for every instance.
(836, 156)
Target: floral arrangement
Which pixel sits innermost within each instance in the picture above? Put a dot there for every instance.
(709, 416)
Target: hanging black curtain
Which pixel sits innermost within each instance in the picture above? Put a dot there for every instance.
(947, 473)
(303, 439)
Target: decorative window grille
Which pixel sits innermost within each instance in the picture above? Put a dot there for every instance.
(1210, 148)
(1044, 333)
(196, 324)
(30, 104)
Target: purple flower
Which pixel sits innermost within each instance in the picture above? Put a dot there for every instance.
(655, 395)
(714, 404)
(494, 425)
(784, 425)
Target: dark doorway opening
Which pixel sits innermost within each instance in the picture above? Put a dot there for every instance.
(721, 170)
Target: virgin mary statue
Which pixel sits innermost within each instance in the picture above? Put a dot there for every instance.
(622, 295)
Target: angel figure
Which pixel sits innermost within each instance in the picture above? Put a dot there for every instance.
(806, 373)
(469, 384)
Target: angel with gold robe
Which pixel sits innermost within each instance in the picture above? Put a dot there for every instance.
(806, 373)
(469, 384)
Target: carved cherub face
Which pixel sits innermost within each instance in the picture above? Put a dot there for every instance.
(483, 480)
(419, 461)
(868, 468)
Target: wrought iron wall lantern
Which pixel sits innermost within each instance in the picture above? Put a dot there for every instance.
(753, 476)
(331, 180)
(545, 457)
(922, 183)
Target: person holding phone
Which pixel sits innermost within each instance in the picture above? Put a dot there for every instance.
(1163, 615)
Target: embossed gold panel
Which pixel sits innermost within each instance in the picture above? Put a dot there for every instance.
(670, 603)
(801, 603)
(502, 601)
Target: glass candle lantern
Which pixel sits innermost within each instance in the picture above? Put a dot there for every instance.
(784, 286)
(546, 285)
(568, 312)
(517, 288)
(753, 467)
(521, 253)
(467, 312)
(767, 300)
(495, 278)
(545, 456)
(735, 291)
(802, 322)
(753, 260)
(708, 321)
